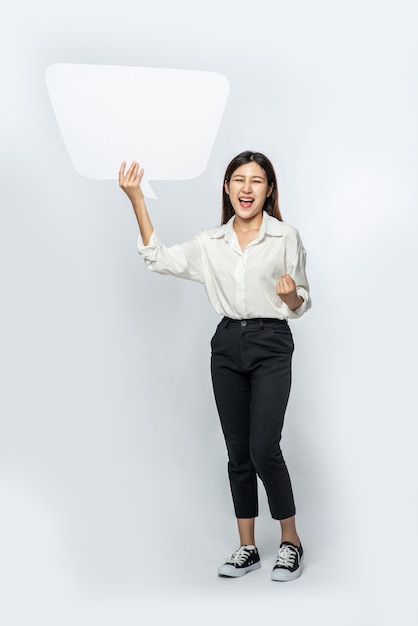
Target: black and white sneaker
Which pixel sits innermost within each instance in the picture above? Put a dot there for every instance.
(288, 564)
(244, 560)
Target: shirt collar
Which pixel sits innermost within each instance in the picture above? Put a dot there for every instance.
(270, 226)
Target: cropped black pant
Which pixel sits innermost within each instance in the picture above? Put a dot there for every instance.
(251, 375)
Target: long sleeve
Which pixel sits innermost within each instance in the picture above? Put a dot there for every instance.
(182, 260)
(295, 266)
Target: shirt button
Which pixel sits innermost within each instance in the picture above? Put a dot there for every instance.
(243, 323)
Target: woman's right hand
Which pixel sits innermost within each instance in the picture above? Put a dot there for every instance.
(130, 182)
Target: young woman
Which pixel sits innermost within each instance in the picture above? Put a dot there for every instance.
(253, 270)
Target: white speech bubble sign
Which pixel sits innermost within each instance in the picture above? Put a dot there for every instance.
(167, 119)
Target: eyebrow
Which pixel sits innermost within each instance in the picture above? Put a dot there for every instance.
(252, 177)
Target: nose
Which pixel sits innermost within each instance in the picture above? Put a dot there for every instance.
(247, 185)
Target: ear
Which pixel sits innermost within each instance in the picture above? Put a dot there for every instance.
(270, 190)
(226, 187)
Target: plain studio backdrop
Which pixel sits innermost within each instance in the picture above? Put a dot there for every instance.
(115, 506)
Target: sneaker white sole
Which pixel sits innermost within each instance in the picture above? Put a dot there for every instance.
(234, 572)
(283, 575)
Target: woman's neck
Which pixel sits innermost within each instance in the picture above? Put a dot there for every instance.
(251, 224)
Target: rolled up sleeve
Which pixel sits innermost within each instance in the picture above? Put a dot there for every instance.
(296, 267)
(182, 260)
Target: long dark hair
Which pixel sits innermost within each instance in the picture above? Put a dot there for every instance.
(271, 204)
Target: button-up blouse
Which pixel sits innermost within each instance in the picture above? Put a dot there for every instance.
(240, 284)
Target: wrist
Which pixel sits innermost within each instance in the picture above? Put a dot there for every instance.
(296, 303)
(138, 202)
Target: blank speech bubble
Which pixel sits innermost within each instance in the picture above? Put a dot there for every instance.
(166, 119)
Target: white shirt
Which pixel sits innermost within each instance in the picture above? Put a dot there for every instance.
(239, 284)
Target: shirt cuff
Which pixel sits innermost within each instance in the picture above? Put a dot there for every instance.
(306, 304)
(150, 251)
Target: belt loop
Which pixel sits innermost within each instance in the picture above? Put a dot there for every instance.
(261, 324)
(225, 322)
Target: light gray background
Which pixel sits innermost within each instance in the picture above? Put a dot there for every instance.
(115, 507)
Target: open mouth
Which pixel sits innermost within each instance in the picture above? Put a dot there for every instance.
(246, 203)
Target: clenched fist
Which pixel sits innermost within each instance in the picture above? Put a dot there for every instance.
(286, 290)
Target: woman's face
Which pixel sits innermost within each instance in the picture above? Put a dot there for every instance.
(248, 189)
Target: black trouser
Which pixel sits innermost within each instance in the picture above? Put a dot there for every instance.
(251, 375)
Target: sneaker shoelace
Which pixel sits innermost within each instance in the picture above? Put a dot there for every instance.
(286, 557)
(239, 556)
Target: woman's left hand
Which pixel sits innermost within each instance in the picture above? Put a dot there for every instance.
(286, 290)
